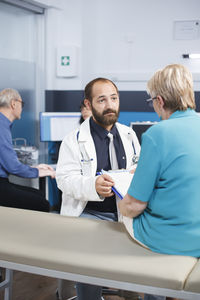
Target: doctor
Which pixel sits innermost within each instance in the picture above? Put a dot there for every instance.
(84, 152)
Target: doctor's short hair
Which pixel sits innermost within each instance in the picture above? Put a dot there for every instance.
(6, 95)
(88, 89)
(174, 84)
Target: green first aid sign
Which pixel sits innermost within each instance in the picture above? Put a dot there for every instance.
(65, 60)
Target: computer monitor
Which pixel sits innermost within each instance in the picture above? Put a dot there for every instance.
(54, 126)
(141, 127)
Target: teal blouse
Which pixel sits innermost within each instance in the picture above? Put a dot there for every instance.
(168, 178)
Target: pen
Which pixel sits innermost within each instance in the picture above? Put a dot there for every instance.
(113, 188)
(117, 193)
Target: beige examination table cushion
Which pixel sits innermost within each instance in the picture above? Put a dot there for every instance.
(98, 252)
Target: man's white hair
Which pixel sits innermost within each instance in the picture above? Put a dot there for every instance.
(6, 95)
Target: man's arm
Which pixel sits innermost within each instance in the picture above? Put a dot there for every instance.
(9, 160)
(131, 207)
(74, 175)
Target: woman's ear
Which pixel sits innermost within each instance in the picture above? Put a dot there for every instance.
(160, 101)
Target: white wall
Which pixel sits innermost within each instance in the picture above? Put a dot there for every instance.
(63, 27)
(125, 40)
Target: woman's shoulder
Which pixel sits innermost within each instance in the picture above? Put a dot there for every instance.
(159, 130)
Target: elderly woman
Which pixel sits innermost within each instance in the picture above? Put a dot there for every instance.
(162, 205)
(163, 200)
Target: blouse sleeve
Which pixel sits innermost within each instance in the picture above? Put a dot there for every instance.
(147, 171)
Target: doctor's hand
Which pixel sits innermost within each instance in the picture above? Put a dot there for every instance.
(104, 185)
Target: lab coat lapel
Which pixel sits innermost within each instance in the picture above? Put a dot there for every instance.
(86, 144)
(127, 140)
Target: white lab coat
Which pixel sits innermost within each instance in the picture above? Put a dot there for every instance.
(77, 165)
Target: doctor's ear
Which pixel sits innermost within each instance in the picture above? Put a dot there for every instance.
(87, 104)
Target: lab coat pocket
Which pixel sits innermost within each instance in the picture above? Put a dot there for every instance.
(86, 167)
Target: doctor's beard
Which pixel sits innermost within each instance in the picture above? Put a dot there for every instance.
(103, 118)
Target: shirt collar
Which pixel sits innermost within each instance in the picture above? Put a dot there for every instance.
(102, 132)
(182, 113)
(5, 120)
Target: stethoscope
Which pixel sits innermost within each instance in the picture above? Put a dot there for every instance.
(135, 157)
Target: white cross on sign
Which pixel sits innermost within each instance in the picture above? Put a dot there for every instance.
(65, 60)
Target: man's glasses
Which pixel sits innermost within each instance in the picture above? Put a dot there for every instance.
(22, 102)
(150, 101)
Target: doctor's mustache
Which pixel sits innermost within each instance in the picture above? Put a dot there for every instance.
(109, 111)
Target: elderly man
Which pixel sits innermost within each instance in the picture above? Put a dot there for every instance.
(13, 195)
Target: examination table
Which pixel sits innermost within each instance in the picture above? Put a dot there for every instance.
(90, 251)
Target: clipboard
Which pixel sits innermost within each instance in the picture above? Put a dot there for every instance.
(122, 179)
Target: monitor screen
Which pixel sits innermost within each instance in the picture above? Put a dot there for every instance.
(141, 127)
(54, 126)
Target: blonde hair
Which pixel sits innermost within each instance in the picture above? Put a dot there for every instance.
(174, 84)
(7, 95)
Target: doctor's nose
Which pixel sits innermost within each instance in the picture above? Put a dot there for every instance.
(109, 104)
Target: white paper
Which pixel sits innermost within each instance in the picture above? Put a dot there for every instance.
(122, 179)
